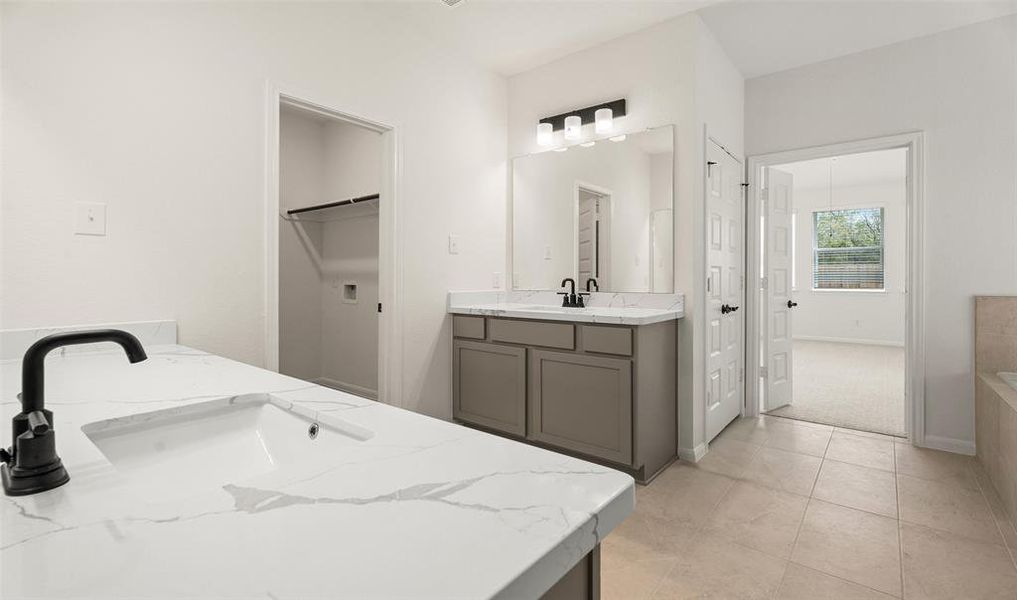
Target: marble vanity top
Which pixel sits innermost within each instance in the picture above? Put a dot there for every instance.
(421, 508)
(602, 307)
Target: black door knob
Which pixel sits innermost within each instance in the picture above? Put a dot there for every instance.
(727, 308)
(791, 304)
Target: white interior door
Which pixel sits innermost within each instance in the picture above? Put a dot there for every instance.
(725, 263)
(777, 302)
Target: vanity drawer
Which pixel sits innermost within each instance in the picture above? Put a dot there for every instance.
(468, 327)
(532, 333)
(607, 340)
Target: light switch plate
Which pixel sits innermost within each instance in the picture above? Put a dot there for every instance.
(453, 243)
(89, 218)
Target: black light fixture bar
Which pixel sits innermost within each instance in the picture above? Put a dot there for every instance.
(297, 211)
(586, 114)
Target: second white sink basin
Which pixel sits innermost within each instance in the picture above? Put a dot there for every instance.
(206, 445)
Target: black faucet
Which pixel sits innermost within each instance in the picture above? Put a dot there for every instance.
(596, 286)
(570, 299)
(31, 465)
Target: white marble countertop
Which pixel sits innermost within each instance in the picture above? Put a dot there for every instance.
(422, 509)
(603, 307)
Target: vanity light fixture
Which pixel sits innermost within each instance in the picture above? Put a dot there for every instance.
(572, 122)
(604, 120)
(573, 127)
(545, 134)
(618, 138)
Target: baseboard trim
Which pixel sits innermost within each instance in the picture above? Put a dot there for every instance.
(692, 455)
(946, 444)
(820, 338)
(349, 388)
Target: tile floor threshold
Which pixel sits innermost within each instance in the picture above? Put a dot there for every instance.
(782, 509)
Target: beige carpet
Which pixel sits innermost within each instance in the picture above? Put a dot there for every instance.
(848, 385)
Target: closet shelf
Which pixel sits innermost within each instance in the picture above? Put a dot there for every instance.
(321, 210)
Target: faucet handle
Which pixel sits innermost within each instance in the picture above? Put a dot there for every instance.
(37, 422)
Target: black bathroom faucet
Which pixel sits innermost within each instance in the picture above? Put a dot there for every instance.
(570, 298)
(32, 465)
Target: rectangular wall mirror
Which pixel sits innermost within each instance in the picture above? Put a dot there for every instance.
(603, 211)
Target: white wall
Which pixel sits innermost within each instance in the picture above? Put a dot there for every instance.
(861, 316)
(671, 73)
(158, 110)
(959, 88)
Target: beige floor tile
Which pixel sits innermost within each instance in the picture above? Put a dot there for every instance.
(682, 495)
(946, 507)
(728, 457)
(858, 487)
(630, 580)
(716, 568)
(850, 544)
(935, 465)
(803, 440)
(798, 423)
(857, 450)
(942, 565)
(803, 583)
(783, 470)
(759, 517)
(751, 429)
(868, 434)
(641, 537)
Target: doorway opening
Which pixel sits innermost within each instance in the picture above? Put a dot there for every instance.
(329, 182)
(836, 248)
(332, 257)
(593, 235)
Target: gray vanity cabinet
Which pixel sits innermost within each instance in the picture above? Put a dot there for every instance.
(582, 403)
(601, 392)
(489, 385)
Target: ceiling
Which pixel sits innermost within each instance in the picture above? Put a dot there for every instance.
(764, 37)
(884, 166)
(512, 36)
(760, 36)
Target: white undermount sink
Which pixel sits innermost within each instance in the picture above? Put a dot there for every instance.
(551, 309)
(183, 450)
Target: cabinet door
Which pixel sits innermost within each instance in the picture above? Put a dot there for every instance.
(582, 403)
(489, 385)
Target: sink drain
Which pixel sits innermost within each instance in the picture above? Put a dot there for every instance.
(312, 431)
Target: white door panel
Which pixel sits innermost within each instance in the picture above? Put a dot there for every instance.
(725, 268)
(778, 347)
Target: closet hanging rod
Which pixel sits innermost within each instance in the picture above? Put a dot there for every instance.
(357, 200)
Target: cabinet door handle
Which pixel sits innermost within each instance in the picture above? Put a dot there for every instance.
(727, 308)
(791, 304)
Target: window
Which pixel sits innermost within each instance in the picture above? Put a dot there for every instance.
(848, 249)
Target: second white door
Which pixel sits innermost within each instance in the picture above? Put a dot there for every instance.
(725, 290)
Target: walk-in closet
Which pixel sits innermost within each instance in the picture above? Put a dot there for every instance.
(329, 183)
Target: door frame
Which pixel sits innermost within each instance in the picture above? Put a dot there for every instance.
(390, 247)
(914, 338)
(704, 268)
